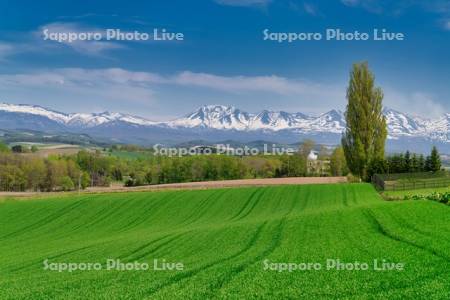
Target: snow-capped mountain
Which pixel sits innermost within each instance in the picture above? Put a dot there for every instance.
(34, 110)
(218, 121)
(75, 119)
(401, 124)
(214, 116)
(270, 120)
(228, 117)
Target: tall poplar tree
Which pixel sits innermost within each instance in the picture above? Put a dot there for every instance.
(366, 132)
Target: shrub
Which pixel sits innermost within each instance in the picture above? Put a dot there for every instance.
(438, 197)
(67, 184)
(352, 178)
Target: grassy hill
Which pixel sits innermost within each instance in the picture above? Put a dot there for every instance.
(224, 237)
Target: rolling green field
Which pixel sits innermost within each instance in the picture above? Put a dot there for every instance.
(224, 238)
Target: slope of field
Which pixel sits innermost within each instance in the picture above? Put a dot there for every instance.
(223, 237)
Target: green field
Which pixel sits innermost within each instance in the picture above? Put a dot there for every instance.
(223, 237)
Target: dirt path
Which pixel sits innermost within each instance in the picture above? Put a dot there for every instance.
(226, 183)
(193, 185)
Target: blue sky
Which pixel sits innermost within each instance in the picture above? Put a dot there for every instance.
(223, 58)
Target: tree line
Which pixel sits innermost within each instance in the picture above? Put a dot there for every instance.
(163, 169)
(19, 172)
(30, 172)
(406, 163)
(411, 162)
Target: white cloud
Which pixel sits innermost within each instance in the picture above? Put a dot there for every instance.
(238, 84)
(447, 24)
(350, 2)
(395, 8)
(78, 77)
(5, 50)
(34, 42)
(244, 2)
(111, 87)
(130, 89)
(372, 6)
(437, 6)
(415, 103)
(305, 7)
(82, 84)
(311, 9)
(89, 47)
(9, 49)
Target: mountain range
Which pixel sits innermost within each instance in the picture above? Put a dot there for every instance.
(218, 122)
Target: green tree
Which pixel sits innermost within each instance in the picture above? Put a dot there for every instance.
(435, 160)
(366, 132)
(338, 164)
(377, 166)
(17, 149)
(85, 180)
(56, 171)
(396, 163)
(323, 153)
(67, 183)
(407, 162)
(292, 165)
(4, 148)
(36, 172)
(306, 147)
(414, 163)
(12, 178)
(421, 163)
(401, 163)
(304, 150)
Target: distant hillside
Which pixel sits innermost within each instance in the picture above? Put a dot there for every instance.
(33, 136)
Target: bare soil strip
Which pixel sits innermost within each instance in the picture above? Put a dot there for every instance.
(193, 185)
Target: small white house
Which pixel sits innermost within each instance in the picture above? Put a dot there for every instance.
(316, 167)
(313, 155)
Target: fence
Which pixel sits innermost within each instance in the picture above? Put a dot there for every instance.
(411, 181)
